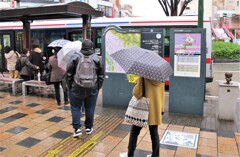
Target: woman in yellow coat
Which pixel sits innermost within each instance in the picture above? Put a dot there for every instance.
(154, 90)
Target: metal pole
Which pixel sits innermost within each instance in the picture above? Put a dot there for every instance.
(200, 13)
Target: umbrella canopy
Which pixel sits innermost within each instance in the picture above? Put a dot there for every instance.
(144, 63)
(58, 43)
(66, 52)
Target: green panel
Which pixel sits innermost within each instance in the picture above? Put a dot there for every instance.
(187, 91)
(117, 91)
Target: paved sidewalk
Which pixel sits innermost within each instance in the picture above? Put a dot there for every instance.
(35, 126)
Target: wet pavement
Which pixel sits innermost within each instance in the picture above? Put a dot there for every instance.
(34, 125)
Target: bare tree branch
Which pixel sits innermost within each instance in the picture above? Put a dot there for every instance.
(163, 7)
(170, 7)
(184, 6)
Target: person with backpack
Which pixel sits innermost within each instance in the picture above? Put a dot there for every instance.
(11, 57)
(84, 78)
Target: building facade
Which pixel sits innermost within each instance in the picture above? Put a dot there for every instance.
(106, 6)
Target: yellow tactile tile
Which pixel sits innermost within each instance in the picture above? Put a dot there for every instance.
(207, 142)
(210, 151)
(185, 152)
(206, 134)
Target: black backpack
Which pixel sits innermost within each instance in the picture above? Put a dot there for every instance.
(86, 75)
(18, 65)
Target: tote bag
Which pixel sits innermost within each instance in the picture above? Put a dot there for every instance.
(138, 110)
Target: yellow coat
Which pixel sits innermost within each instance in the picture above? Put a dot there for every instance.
(154, 90)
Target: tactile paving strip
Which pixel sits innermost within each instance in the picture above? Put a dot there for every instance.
(72, 147)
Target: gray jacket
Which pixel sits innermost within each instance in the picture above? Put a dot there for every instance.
(27, 66)
(56, 72)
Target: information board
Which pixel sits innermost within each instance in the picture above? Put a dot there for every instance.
(153, 39)
(188, 58)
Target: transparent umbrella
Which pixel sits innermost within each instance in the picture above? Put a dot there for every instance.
(58, 43)
(66, 52)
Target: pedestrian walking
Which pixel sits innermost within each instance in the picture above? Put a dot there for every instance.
(57, 75)
(154, 90)
(11, 57)
(84, 78)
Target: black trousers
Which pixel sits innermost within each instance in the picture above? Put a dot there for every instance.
(57, 92)
(135, 130)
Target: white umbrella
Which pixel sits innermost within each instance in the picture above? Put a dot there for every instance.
(66, 52)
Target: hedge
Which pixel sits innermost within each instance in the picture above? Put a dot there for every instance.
(225, 50)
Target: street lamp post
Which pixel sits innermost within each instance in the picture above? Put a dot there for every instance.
(200, 13)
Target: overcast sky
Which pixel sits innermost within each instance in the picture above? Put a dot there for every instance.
(145, 7)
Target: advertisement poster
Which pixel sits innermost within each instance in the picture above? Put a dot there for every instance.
(115, 41)
(187, 54)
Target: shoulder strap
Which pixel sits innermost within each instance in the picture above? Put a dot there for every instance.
(16, 54)
(143, 87)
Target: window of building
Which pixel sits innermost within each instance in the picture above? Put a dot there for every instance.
(106, 10)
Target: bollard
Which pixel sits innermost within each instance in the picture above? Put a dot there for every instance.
(228, 92)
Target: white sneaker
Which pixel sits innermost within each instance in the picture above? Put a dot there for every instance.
(77, 133)
(149, 155)
(123, 154)
(89, 131)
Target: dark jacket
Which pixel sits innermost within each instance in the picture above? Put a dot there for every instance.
(72, 66)
(27, 67)
(36, 58)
